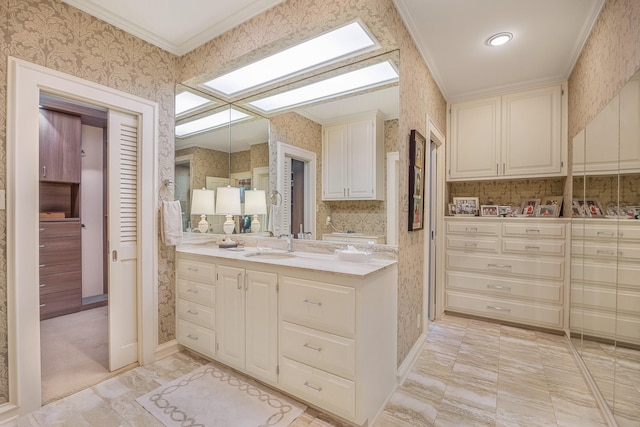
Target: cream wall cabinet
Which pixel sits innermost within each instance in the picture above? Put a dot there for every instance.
(516, 135)
(507, 269)
(352, 159)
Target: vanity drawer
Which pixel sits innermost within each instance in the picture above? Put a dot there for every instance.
(196, 313)
(543, 268)
(473, 228)
(196, 270)
(327, 307)
(542, 247)
(197, 338)
(472, 244)
(542, 315)
(547, 292)
(197, 292)
(534, 230)
(329, 352)
(318, 387)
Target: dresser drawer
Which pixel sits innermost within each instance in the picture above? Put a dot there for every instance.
(50, 283)
(196, 313)
(196, 337)
(331, 353)
(626, 231)
(496, 286)
(547, 316)
(472, 244)
(606, 325)
(60, 302)
(60, 255)
(54, 230)
(197, 292)
(605, 250)
(542, 268)
(329, 308)
(606, 299)
(196, 270)
(473, 228)
(546, 247)
(607, 272)
(534, 230)
(318, 387)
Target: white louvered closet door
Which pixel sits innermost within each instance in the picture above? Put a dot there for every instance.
(122, 203)
(286, 198)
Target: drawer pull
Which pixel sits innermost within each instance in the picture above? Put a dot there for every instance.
(306, 383)
(503, 288)
(192, 269)
(192, 312)
(310, 347)
(42, 285)
(505, 266)
(470, 245)
(192, 337)
(602, 252)
(532, 248)
(41, 265)
(192, 290)
(605, 233)
(471, 229)
(41, 246)
(42, 305)
(41, 229)
(238, 281)
(532, 230)
(491, 307)
(306, 301)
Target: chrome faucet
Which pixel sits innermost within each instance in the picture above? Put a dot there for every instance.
(289, 238)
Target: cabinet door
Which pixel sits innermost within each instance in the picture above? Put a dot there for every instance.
(230, 315)
(334, 161)
(261, 325)
(532, 132)
(60, 145)
(361, 160)
(475, 139)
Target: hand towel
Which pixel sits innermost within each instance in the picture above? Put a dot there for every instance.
(171, 217)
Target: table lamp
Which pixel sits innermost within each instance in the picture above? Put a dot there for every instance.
(202, 203)
(228, 204)
(255, 203)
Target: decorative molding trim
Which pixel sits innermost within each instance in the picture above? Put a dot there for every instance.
(410, 360)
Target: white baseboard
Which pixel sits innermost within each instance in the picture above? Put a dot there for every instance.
(8, 414)
(411, 358)
(166, 349)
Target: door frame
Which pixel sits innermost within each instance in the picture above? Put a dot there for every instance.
(393, 207)
(25, 82)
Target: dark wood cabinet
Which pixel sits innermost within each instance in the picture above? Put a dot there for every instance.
(60, 147)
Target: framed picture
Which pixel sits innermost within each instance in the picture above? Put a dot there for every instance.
(466, 206)
(528, 207)
(504, 210)
(576, 212)
(488, 210)
(553, 201)
(594, 208)
(452, 209)
(633, 212)
(417, 144)
(581, 207)
(548, 211)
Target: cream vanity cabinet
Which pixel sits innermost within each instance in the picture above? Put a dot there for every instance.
(605, 279)
(515, 135)
(352, 158)
(508, 269)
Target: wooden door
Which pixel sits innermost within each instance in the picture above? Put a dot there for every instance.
(60, 146)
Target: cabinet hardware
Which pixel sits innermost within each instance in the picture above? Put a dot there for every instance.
(310, 347)
(491, 307)
(42, 285)
(497, 170)
(238, 281)
(44, 171)
(192, 290)
(246, 283)
(114, 255)
(306, 383)
(41, 246)
(532, 230)
(41, 229)
(470, 245)
(535, 248)
(471, 229)
(306, 301)
(192, 269)
(503, 168)
(192, 337)
(41, 265)
(603, 252)
(605, 233)
(504, 288)
(498, 266)
(192, 312)
(42, 305)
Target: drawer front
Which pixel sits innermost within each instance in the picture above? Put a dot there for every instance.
(196, 270)
(547, 292)
(534, 230)
(60, 255)
(605, 250)
(60, 302)
(472, 244)
(546, 247)
(197, 338)
(318, 387)
(606, 325)
(547, 316)
(329, 308)
(50, 283)
(197, 292)
(546, 269)
(196, 313)
(328, 352)
(627, 231)
(605, 272)
(52, 230)
(473, 228)
(606, 299)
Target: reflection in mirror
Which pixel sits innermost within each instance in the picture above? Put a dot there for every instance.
(605, 298)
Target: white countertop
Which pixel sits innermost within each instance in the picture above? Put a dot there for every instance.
(302, 260)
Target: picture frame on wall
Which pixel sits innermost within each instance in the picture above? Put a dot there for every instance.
(417, 144)
(466, 206)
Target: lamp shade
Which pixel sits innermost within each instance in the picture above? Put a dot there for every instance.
(228, 201)
(202, 202)
(255, 202)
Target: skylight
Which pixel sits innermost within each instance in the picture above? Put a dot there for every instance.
(222, 118)
(364, 78)
(186, 101)
(343, 42)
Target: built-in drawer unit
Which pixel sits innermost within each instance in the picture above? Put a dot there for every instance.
(198, 338)
(197, 313)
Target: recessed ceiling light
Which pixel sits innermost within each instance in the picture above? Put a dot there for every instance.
(212, 121)
(186, 101)
(343, 42)
(499, 39)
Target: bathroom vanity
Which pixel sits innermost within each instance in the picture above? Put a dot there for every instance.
(322, 330)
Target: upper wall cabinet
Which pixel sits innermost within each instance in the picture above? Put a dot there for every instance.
(617, 121)
(60, 146)
(516, 135)
(352, 159)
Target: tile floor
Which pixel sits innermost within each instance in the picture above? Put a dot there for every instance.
(470, 373)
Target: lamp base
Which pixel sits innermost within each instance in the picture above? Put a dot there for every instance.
(227, 243)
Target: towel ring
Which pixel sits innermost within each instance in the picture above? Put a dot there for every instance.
(170, 183)
(276, 198)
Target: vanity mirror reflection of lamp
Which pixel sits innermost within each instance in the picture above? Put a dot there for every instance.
(203, 204)
(255, 203)
(228, 204)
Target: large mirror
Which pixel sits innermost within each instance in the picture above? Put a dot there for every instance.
(245, 154)
(605, 265)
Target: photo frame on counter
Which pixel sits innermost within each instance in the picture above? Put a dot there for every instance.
(417, 144)
(594, 208)
(489, 210)
(529, 207)
(466, 206)
(552, 200)
(452, 209)
(547, 211)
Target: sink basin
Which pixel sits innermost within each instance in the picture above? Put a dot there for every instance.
(270, 255)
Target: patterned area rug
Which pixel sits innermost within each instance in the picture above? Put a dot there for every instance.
(211, 396)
